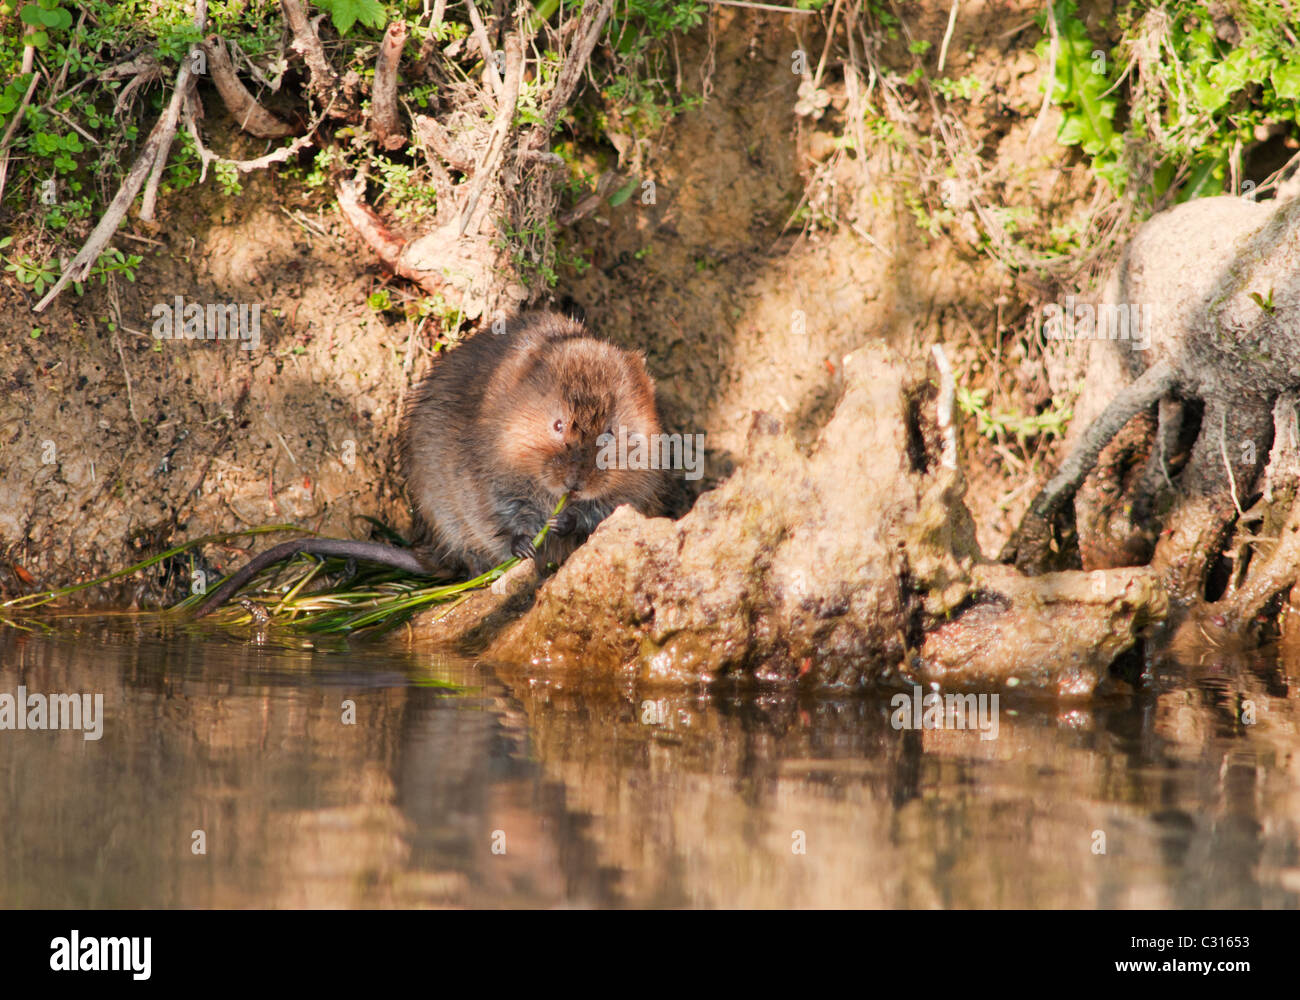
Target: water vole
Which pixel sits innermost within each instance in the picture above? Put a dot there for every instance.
(494, 435)
(509, 422)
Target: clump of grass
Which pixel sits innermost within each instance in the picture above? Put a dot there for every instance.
(29, 601)
(374, 600)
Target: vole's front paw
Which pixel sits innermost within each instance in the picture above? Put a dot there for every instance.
(565, 522)
(521, 547)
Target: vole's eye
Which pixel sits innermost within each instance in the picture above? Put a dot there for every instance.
(558, 427)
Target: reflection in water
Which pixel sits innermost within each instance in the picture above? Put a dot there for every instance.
(462, 785)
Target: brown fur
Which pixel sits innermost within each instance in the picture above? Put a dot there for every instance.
(483, 460)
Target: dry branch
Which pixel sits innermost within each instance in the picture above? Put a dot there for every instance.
(437, 140)
(323, 81)
(86, 257)
(155, 150)
(386, 245)
(385, 121)
(170, 118)
(13, 127)
(489, 59)
(206, 156)
(587, 33)
(504, 122)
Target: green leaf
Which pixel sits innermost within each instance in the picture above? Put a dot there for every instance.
(31, 14)
(345, 13)
(1286, 81)
(623, 193)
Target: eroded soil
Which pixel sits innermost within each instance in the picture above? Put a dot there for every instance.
(113, 446)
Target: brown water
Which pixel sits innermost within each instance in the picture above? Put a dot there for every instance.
(619, 797)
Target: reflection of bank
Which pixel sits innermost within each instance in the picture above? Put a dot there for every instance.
(450, 784)
(482, 810)
(698, 799)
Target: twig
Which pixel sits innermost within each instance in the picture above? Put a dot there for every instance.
(871, 239)
(238, 55)
(140, 239)
(1016, 30)
(73, 125)
(324, 81)
(826, 48)
(947, 34)
(1051, 71)
(489, 58)
(586, 34)
(491, 161)
(29, 50)
(1227, 464)
(86, 257)
(71, 58)
(170, 118)
(130, 396)
(116, 308)
(944, 412)
(206, 155)
(760, 6)
(13, 127)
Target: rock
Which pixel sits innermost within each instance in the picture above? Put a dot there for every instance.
(828, 569)
(1015, 639)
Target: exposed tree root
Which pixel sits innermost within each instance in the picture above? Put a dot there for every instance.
(243, 107)
(1028, 547)
(1222, 274)
(384, 118)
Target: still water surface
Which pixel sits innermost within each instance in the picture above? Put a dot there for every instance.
(463, 784)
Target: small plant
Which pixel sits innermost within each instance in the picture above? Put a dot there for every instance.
(964, 89)
(1265, 303)
(1202, 84)
(39, 274)
(1000, 424)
